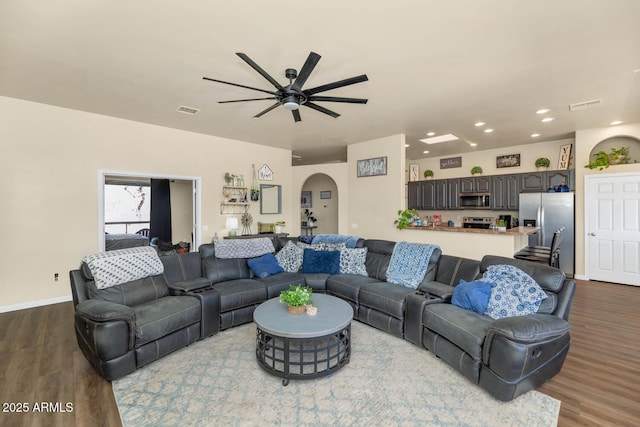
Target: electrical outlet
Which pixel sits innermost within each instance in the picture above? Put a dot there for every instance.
(354, 225)
(55, 277)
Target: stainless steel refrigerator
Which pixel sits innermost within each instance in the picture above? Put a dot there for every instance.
(551, 211)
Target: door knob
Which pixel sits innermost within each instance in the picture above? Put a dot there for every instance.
(592, 234)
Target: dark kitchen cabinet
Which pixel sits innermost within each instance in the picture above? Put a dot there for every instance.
(413, 195)
(475, 184)
(559, 177)
(505, 192)
(453, 194)
(533, 182)
(428, 194)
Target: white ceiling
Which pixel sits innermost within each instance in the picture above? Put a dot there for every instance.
(432, 65)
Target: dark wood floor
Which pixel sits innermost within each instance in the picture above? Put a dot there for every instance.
(599, 384)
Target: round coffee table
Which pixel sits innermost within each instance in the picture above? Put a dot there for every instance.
(300, 346)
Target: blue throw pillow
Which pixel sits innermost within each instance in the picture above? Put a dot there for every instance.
(321, 261)
(264, 266)
(472, 296)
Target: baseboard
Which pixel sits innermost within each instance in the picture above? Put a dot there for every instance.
(32, 304)
(580, 277)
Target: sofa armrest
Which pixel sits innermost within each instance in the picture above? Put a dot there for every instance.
(517, 346)
(184, 286)
(107, 329)
(438, 289)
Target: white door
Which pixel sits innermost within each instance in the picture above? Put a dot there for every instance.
(613, 228)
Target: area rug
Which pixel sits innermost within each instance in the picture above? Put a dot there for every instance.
(389, 381)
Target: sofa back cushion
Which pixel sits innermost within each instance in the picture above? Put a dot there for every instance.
(131, 293)
(378, 257)
(220, 270)
(452, 269)
(181, 267)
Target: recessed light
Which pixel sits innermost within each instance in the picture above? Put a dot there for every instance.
(406, 145)
(441, 138)
(615, 122)
(488, 130)
(430, 133)
(472, 144)
(547, 119)
(535, 135)
(542, 111)
(425, 152)
(478, 124)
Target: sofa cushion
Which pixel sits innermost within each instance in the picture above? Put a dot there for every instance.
(235, 294)
(347, 286)
(549, 278)
(321, 261)
(161, 317)
(352, 261)
(113, 268)
(385, 298)
(290, 257)
(220, 270)
(131, 293)
(264, 266)
(464, 328)
(181, 267)
(280, 282)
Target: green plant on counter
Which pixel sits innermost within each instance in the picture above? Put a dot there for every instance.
(602, 160)
(542, 162)
(296, 295)
(280, 223)
(428, 173)
(405, 217)
(476, 170)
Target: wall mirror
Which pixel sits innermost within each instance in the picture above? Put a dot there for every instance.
(270, 199)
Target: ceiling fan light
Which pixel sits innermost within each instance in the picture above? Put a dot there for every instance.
(291, 103)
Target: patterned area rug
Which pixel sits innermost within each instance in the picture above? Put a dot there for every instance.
(389, 381)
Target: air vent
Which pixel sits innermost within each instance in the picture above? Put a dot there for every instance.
(586, 105)
(187, 110)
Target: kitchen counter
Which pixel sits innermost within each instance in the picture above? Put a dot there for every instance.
(510, 232)
(473, 243)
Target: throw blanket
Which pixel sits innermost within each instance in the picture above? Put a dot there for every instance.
(409, 262)
(349, 241)
(243, 248)
(123, 265)
(513, 292)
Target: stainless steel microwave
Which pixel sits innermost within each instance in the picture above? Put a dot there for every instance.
(475, 200)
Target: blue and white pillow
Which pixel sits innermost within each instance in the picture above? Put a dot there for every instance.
(290, 258)
(514, 292)
(352, 261)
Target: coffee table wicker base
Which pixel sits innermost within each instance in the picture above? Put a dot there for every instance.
(303, 358)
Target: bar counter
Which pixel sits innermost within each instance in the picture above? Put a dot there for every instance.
(473, 243)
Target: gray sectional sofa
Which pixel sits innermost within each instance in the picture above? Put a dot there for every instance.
(125, 327)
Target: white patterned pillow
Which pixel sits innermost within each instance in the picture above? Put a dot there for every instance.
(514, 292)
(290, 257)
(113, 268)
(352, 261)
(328, 246)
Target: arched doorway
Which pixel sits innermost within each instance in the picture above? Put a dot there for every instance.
(319, 197)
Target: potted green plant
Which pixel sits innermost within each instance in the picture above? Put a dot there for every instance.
(405, 217)
(476, 170)
(602, 159)
(255, 194)
(428, 174)
(297, 297)
(279, 225)
(542, 163)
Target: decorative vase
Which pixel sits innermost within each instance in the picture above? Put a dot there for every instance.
(542, 168)
(311, 310)
(296, 309)
(278, 229)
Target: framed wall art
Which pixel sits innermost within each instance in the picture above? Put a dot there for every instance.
(508, 161)
(565, 156)
(305, 199)
(414, 172)
(325, 194)
(372, 167)
(451, 162)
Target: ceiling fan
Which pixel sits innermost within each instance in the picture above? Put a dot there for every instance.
(292, 96)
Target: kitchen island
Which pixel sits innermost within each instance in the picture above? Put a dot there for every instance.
(473, 243)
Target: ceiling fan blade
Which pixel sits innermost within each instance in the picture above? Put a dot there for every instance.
(322, 109)
(305, 71)
(239, 85)
(335, 85)
(296, 115)
(338, 99)
(260, 114)
(262, 72)
(243, 100)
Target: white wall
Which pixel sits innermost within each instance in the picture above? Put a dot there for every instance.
(49, 163)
